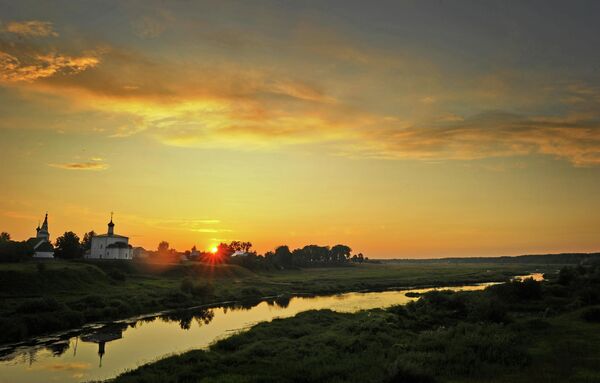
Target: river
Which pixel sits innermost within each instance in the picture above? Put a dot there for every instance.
(103, 351)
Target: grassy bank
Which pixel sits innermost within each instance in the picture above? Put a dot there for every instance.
(515, 332)
(41, 297)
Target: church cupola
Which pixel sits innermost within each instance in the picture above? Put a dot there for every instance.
(111, 225)
(43, 231)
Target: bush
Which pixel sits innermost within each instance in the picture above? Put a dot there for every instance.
(566, 275)
(403, 372)
(94, 301)
(202, 290)
(186, 285)
(117, 275)
(592, 314)
(35, 306)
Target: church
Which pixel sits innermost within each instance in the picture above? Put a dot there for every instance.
(42, 248)
(110, 245)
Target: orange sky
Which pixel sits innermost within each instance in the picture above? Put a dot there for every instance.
(404, 130)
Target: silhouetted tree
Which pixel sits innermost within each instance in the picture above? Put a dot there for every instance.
(4, 237)
(86, 243)
(163, 247)
(224, 251)
(246, 246)
(283, 256)
(340, 253)
(68, 246)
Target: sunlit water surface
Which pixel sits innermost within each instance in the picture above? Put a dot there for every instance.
(105, 352)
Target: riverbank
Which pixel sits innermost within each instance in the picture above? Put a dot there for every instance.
(514, 332)
(60, 295)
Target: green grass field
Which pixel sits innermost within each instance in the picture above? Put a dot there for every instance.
(40, 297)
(514, 332)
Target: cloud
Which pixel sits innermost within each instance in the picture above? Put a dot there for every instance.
(91, 165)
(400, 112)
(31, 28)
(13, 69)
(494, 134)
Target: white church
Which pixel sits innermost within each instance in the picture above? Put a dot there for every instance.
(42, 248)
(110, 245)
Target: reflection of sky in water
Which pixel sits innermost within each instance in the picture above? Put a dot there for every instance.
(146, 341)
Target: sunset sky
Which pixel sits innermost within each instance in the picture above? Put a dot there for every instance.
(400, 128)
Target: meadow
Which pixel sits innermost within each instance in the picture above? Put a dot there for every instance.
(513, 332)
(42, 297)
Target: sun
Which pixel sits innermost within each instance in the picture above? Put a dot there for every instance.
(214, 249)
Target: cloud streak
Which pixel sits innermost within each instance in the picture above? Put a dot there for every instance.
(91, 165)
(493, 134)
(31, 28)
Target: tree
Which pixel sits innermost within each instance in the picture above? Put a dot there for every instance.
(86, 243)
(246, 246)
(283, 256)
(163, 247)
(68, 246)
(4, 237)
(340, 253)
(224, 251)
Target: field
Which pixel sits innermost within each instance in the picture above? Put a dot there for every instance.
(41, 297)
(515, 332)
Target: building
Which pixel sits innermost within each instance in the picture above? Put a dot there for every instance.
(110, 245)
(42, 248)
(140, 252)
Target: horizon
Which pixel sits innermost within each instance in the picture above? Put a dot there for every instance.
(410, 130)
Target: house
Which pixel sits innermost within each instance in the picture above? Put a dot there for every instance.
(42, 248)
(110, 245)
(140, 252)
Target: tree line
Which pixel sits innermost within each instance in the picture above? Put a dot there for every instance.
(70, 246)
(67, 246)
(283, 258)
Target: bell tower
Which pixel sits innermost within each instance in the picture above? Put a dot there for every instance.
(111, 225)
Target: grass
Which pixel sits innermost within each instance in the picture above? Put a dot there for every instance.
(41, 297)
(514, 332)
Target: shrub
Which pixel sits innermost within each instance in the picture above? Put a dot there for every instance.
(202, 290)
(35, 306)
(592, 314)
(117, 275)
(186, 285)
(566, 275)
(402, 372)
(94, 301)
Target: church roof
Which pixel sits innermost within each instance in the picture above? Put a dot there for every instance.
(44, 246)
(110, 236)
(34, 242)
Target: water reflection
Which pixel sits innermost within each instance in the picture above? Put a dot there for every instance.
(102, 351)
(102, 336)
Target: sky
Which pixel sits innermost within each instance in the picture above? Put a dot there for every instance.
(404, 129)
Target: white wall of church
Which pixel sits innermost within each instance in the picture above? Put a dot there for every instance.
(100, 248)
(43, 254)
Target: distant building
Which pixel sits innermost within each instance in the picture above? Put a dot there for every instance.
(110, 245)
(42, 248)
(194, 253)
(140, 252)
